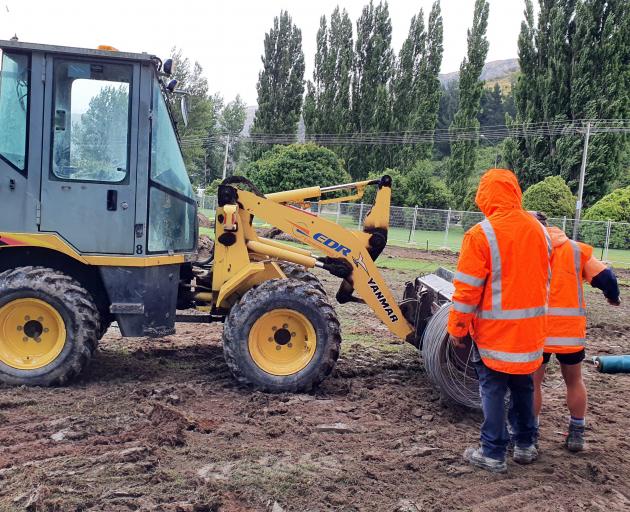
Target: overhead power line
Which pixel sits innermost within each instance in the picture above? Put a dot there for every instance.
(492, 133)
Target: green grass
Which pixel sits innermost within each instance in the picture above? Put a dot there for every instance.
(408, 264)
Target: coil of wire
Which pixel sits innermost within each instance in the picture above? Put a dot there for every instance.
(448, 368)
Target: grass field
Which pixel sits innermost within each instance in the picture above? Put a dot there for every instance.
(431, 240)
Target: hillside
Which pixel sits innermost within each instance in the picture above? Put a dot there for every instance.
(494, 71)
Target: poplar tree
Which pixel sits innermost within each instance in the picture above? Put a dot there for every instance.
(416, 87)
(327, 108)
(600, 85)
(372, 74)
(280, 83)
(463, 151)
(575, 64)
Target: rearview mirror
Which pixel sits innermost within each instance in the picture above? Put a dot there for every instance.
(167, 67)
(183, 105)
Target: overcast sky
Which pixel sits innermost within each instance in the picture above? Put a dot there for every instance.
(226, 36)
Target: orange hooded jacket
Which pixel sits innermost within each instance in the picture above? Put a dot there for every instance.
(502, 279)
(571, 262)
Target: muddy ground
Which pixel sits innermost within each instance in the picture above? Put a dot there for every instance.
(161, 425)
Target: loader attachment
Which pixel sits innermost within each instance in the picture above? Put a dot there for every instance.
(422, 299)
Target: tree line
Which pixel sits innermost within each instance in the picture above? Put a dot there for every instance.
(575, 64)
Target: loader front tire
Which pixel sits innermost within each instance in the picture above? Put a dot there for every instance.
(282, 336)
(293, 271)
(48, 327)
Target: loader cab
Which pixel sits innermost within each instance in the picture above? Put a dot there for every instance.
(89, 152)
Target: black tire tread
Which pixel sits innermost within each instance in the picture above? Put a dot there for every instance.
(294, 271)
(263, 293)
(77, 298)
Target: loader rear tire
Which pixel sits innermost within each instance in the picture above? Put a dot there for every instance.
(282, 336)
(293, 271)
(48, 327)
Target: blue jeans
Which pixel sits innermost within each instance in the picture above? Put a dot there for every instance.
(493, 387)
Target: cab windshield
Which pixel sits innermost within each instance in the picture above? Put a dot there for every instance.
(172, 208)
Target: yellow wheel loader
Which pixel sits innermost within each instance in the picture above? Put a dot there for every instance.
(98, 223)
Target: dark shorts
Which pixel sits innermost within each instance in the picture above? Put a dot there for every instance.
(569, 359)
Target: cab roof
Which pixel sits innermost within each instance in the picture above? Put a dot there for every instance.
(78, 52)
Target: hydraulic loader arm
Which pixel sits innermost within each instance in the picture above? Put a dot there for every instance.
(348, 252)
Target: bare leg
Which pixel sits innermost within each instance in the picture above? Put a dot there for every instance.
(576, 390)
(539, 376)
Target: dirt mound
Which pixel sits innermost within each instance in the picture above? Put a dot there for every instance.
(204, 222)
(276, 234)
(205, 246)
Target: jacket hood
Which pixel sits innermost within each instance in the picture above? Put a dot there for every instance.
(558, 237)
(498, 190)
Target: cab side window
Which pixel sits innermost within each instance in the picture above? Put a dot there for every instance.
(14, 89)
(91, 121)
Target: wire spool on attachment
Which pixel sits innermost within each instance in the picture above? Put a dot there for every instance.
(448, 368)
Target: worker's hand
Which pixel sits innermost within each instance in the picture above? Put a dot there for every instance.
(457, 341)
(614, 302)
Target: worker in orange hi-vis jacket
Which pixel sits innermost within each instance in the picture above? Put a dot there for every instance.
(500, 299)
(571, 264)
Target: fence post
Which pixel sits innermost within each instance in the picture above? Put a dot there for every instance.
(412, 229)
(607, 242)
(360, 216)
(338, 211)
(564, 223)
(448, 224)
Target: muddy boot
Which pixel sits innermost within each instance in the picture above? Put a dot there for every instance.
(525, 455)
(575, 438)
(476, 457)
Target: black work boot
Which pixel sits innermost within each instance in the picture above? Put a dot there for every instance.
(575, 438)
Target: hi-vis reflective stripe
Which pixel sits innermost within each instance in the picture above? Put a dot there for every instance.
(555, 341)
(468, 279)
(513, 314)
(463, 308)
(549, 252)
(495, 258)
(497, 312)
(510, 357)
(577, 264)
(566, 311)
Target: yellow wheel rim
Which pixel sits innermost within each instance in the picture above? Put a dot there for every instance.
(32, 334)
(282, 342)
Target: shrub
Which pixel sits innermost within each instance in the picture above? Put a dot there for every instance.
(615, 207)
(297, 166)
(425, 190)
(551, 196)
(399, 187)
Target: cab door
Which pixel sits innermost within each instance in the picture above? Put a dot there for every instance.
(90, 153)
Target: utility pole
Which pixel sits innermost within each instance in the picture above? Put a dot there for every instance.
(227, 147)
(578, 204)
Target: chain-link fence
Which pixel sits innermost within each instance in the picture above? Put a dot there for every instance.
(431, 229)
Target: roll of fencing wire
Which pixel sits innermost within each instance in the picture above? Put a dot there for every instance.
(449, 369)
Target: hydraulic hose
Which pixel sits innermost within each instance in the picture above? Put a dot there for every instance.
(449, 369)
